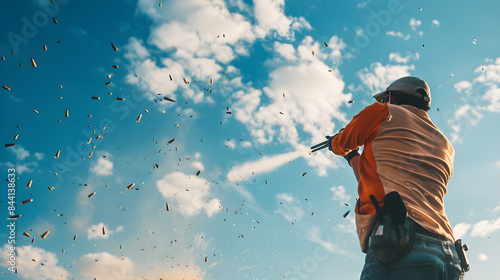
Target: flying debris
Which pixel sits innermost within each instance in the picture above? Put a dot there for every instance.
(6, 87)
(171, 141)
(115, 66)
(137, 75)
(159, 5)
(27, 234)
(26, 201)
(170, 76)
(130, 186)
(303, 174)
(55, 20)
(74, 237)
(96, 97)
(9, 145)
(186, 81)
(350, 101)
(206, 259)
(326, 44)
(57, 154)
(67, 113)
(91, 195)
(36, 111)
(474, 41)
(120, 98)
(45, 47)
(211, 81)
(346, 213)
(108, 83)
(139, 118)
(33, 62)
(228, 111)
(103, 231)
(29, 184)
(198, 173)
(45, 234)
(168, 99)
(168, 207)
(114, 47)
(14, 217)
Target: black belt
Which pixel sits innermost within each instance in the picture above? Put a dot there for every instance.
(421, 230)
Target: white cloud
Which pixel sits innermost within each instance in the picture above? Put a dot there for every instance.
(361, 5)
(399, 59)
(315, 236)
(96, 231)
(201, 36)
(39, 156)
(379, 77)
(287, 51)
(175, 35)
(397, 34)
(290, 207)
(303, 96)
(105, 266)
(248, 144)
(212, 207)
(135, 49)
(481, 94)
(414, 24)
(485, 228)
(489, 73)
(435, 22)
(197, 36)
(20, 152)
(340, 195)
(265, 164)
(496, 209)
(44, 267)
(482, 257)
(463, 85)
(26, 167)
(460, 230)
(230, 143)
(197, 165)
(270, 17)
(191, 194)
(102, 167)
(193, 272)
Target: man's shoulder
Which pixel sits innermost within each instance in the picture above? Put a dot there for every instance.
(375, 108)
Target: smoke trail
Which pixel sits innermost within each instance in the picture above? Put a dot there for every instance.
(263, 165)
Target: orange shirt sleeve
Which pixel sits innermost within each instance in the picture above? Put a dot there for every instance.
(361, 130)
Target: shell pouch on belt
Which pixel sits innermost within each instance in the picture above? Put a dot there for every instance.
(393, 234)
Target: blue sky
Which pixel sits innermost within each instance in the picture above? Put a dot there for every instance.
(285, 71)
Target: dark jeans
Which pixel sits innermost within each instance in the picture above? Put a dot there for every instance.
(431, 258)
